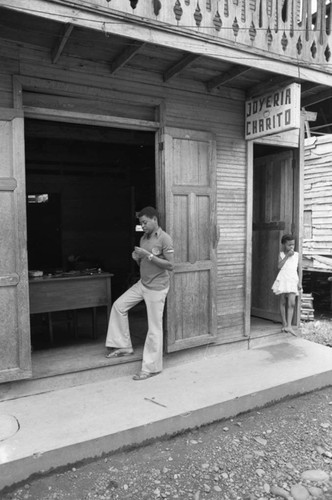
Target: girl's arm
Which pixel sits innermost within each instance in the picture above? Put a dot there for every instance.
(281, 261)
(299, 285)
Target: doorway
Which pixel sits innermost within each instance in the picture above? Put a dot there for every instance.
(84, 186)
(275, 198)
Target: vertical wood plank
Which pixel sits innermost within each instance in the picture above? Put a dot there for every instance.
(249, 237)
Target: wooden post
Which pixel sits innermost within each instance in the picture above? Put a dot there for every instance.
(248, 270)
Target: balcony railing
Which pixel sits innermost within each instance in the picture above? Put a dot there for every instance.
(296, 30)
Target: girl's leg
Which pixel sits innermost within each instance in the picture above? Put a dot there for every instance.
(282, 305)
(290, 312)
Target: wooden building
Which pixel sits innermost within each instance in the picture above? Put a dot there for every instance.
(317, 222)
(110, 105)
(317, 234)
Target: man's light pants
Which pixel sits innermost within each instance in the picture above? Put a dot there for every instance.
(118, 334)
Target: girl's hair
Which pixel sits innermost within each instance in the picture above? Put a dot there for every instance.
(287, 237)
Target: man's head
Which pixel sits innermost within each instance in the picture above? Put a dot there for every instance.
(148, 218)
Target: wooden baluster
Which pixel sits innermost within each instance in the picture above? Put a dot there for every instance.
(178, 11)
(291, 18)
(329, 20)
(156, 7)
(269, 13)
(226, 8)
(298, 12)
(217, 21)
(269, 8)
(321, 22)
(284, 10)
(243, 11)
(260, 14)
(198, 15)
(276, 17)
(307, 18)
(284, 18)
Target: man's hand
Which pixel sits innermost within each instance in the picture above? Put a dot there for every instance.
(141, 252)
(135, 256)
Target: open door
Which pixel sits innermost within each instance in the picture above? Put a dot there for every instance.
(273, 215)
(15, 351)
(190, 214)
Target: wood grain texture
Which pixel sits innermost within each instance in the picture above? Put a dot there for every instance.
(317, 195)
(15, 358)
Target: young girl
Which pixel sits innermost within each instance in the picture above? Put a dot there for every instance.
(287, 283)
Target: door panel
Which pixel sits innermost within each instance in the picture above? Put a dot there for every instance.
(190, 215)
(273, 215)
(15, 350)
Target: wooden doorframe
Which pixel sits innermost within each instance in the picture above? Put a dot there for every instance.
(21, 83)
(248, 259)
(293, 139)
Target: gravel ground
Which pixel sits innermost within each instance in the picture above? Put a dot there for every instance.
(319, 331)
(244, 458)
(261, 455)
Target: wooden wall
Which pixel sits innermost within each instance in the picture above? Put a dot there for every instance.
(318, 196)
(86, 86)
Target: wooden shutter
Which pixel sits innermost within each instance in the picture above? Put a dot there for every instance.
(189, 165)
(15, 351)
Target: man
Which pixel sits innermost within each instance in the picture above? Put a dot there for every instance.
(155, 258)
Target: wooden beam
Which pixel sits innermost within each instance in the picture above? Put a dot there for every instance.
(179, 66)
(309, 88)
(125, 56)
(309, 116)
(57, 51)
(269, 85)
(316, 98)
(169, 36)
(226, 77)
(320, 127)
(60, 115)
(306, 117)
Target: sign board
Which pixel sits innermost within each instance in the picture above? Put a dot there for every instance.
(273, 112)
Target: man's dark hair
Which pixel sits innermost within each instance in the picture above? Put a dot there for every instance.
(287, 237)
(148, 212)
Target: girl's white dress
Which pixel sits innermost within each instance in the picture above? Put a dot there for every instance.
(287, 279)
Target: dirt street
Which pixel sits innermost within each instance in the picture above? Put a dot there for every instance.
(283, 451)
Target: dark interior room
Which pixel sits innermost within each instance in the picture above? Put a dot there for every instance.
(84, 186)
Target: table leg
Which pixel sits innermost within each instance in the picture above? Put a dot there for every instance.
(94, 322)
(50, 326)
(75, 323)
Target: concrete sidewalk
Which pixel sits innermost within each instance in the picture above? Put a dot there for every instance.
(44, 431)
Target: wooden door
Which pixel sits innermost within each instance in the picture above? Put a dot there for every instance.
(188, 171)
(273, 216)
(15, 350)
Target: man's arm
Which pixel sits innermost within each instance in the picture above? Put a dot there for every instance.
(166, 263)
(136, 258)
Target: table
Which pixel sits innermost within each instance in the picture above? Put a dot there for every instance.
(70, 292)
